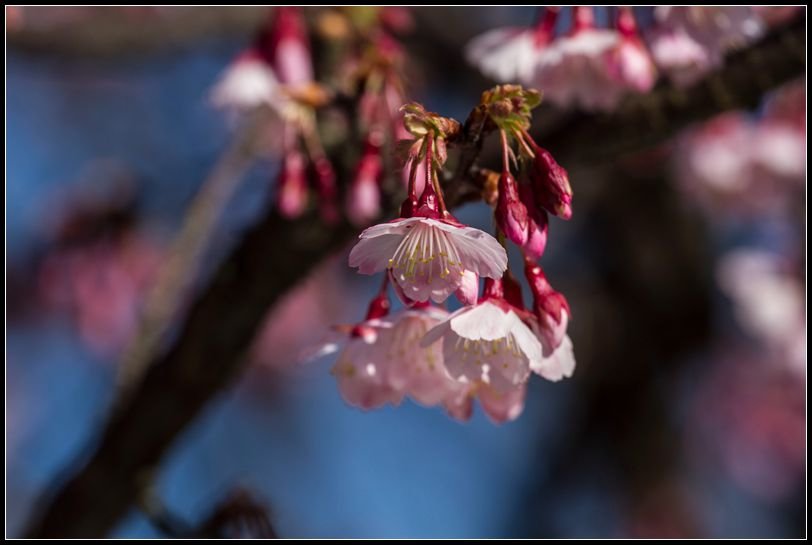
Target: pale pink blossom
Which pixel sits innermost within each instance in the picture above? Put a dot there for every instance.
(287, 46)
(743, 165)
(415, 370)
(428, 257)
(769, 302)
(631, 64)
(247, 83)
(487, 343)
(690, 41)
(717, 28)
(499, 406)
(362, 370)
(505, 54)
(575, 73)
(512, 54)
(556, 363)
(679, 55)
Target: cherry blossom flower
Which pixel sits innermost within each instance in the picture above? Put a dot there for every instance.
(768, 303)
(679, 55)
(744, 165)
(500, 406)
(513, 53)
(690, 41)
(630, 62)
(551, 318)
(415, 370)
(248, 82)
(578, 74)
(429, 257)
(487, 342)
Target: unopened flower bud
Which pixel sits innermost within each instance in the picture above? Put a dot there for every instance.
(511, 213)
(292, 185)
(551, 184)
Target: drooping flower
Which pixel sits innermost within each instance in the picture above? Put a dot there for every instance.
(415, 370)
(248, 82)
(630, 62)
(500, 406)
(690, 41)
(551, 312)
(428, 256)
(578, 74)
(679, 55)
(285, 44)
(513, 53)
(364, 196)
(487, 342)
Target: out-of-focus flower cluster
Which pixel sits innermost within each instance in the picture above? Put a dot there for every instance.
(594, 67)
(747, 172)
(363, 76)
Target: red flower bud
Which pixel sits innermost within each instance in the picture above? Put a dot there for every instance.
(537, 226)
(550, 307)
(551, 184)
(511, 213)
(364, 196)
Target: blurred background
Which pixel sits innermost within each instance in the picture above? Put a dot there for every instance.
(684, 266)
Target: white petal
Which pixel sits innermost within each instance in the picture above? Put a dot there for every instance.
(485, 321)
(371, 255)
(399, 227)
(560, 364)
(480, 252)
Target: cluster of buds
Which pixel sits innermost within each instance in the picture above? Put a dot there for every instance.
(594, 68)
(488, 349)
(277, 71)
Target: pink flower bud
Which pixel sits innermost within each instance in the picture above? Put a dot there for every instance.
(537, 226)
(327, 190)
(287, 46)
(551, 185)
(511, 213)
(550, 307)
(364, 197)
(292, 186)
(468, 292)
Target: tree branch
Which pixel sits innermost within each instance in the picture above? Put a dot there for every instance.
(275, 254)
(116, 32)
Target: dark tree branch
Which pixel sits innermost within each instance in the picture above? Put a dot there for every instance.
(118, 32)
(275, 254)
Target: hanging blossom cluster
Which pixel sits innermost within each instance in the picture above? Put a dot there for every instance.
(488, 349)
(277, 71)
(594, 68)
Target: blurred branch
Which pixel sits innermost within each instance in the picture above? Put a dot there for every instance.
(178, 275)
(274, 255)
(116, 32)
